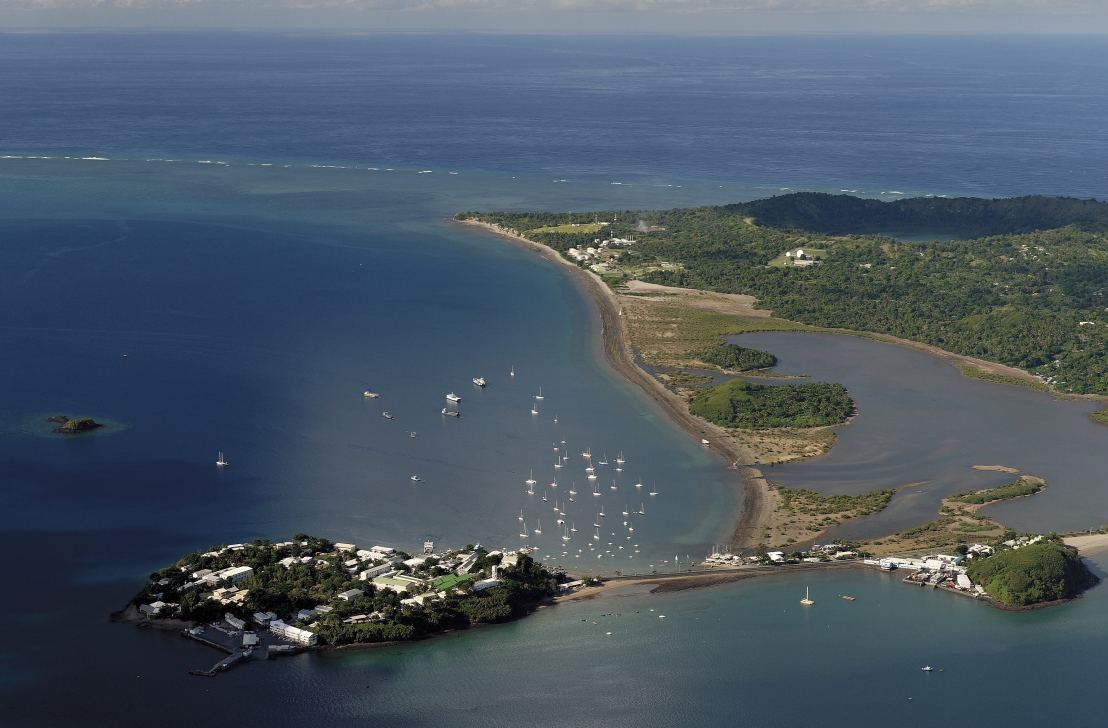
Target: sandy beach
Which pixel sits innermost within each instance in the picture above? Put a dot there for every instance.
(617, 350)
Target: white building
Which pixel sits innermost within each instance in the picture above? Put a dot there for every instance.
(350, 594)
(293, 634)
(373, 571)
(234, 621)
(234, 573)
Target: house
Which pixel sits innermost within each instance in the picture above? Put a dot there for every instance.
(262, 619)
(415, 562)
(304, 614)
(383, 551)
(350, 594)
(964, 582)
(483, 584)
(234, 621)
(153, 609)
(345, 547)
(776, 556)
(249, 639)
(466, 565)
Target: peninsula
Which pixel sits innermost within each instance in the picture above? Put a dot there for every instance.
(1007, 290)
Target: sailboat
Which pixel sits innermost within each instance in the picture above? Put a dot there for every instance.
(221, 461)
(573, 528)
(521, 515)
(595, 489)
(544, 496)
(604, 460)
(642, 509)
(531, 478)
(619, 458)
(415, 478)
(639, 483)
(565, 535)
(558, 463)
(538, 529)
(654, 489)
(806, 601)
(590, 469)
(554, 483)
(523, 531)
(592, 476)
(539, 395)
(625, 514)
(572, 487)
(512, 373)
(613, 486)
(534, 409)
(596, 535)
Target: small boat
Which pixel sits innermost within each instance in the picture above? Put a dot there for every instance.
(453, 397)
(639, 483)
(572, 528)
(538, 529)
(521, 515)
(387, 415)
(415, 479)
(539, 395)
(531, 478)
(370, 395)
(654, 489)
(847, 597)
(592, 476)
(625, 514)
(557, 463)
(411, 434)
(807, 600)
(523, 531)
(554, 483)
(221, 461)
(587, 454)
(544, 496)
(571, 489)
(595, 489)
(613, 486)
(555, 419)
(927, 668)
(619, 458)
(642, 509)
(604, 460)
(555, 447)
(480, 381)
(705, 443)
(451, 413)
(601, 513)
(590, 469)
(534, 409)
(512, 373)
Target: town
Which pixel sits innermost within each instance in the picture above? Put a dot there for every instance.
(259, 600)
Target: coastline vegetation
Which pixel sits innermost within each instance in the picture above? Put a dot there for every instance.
(801, 515)
(73, 425)
(1040, 572)
(738, 403)
(1023, 285)
(1017, 489)
(1100, 416)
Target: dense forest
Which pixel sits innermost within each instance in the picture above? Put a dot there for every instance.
(738, 403)
(1024, 285)
(1040, 572)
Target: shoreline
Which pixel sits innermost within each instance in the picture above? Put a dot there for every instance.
(616, 343)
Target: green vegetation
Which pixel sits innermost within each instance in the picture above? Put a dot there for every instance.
(70, 426)
(1040, 572)
(809, 502)
(975, 373)
(588, 228)
(738, 358)
(1015, 489)
(757, 406)
(374, 616)
(1024, 286)
(1100, 416)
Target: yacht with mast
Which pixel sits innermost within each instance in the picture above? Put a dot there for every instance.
(221, 462)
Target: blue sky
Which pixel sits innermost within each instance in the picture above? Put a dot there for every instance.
(576, 16)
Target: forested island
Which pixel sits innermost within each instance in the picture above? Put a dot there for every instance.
(1037, 573)
(739, 403)
(1022, 283)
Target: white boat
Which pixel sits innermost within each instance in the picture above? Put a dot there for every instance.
(555, 447)
(596, 535)
(807, 600)
(411, 434)
(642, 509)
(601, 513)
(572, 528)
(512, 373)
(539, 395)
(604, 460)
(451, 413)
(415, 478)
(592, 476)
(387, 415)
(453, 397)
(626, 513)
(590, 469)
(534, 409)
(639, 483)
(554, 483)
(613, 486)
(370, 395)
(619, 458)
(221, 461)
(565, 536)
(927, 668)
(557, 463)
(705, 443)
(538, 529)
(544, 496)
(654, 490)
(523, 531)
(587, 454)
(595, 489)
(572, 487)
(480, 381)
(531, 478)
(521, 515)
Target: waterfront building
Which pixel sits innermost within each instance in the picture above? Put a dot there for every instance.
(293, 634)
(234, 621)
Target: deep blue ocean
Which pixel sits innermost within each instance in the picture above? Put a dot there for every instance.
(216, 241)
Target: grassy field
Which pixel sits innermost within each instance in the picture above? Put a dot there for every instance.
(1100, 416)
(974, 373)
(449, 581)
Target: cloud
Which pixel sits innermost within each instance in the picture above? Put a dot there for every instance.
(658, 6)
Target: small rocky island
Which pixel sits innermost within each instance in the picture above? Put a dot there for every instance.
(73, 425)
(261, 599)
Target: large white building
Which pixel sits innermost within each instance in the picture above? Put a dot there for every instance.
(293, 634)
